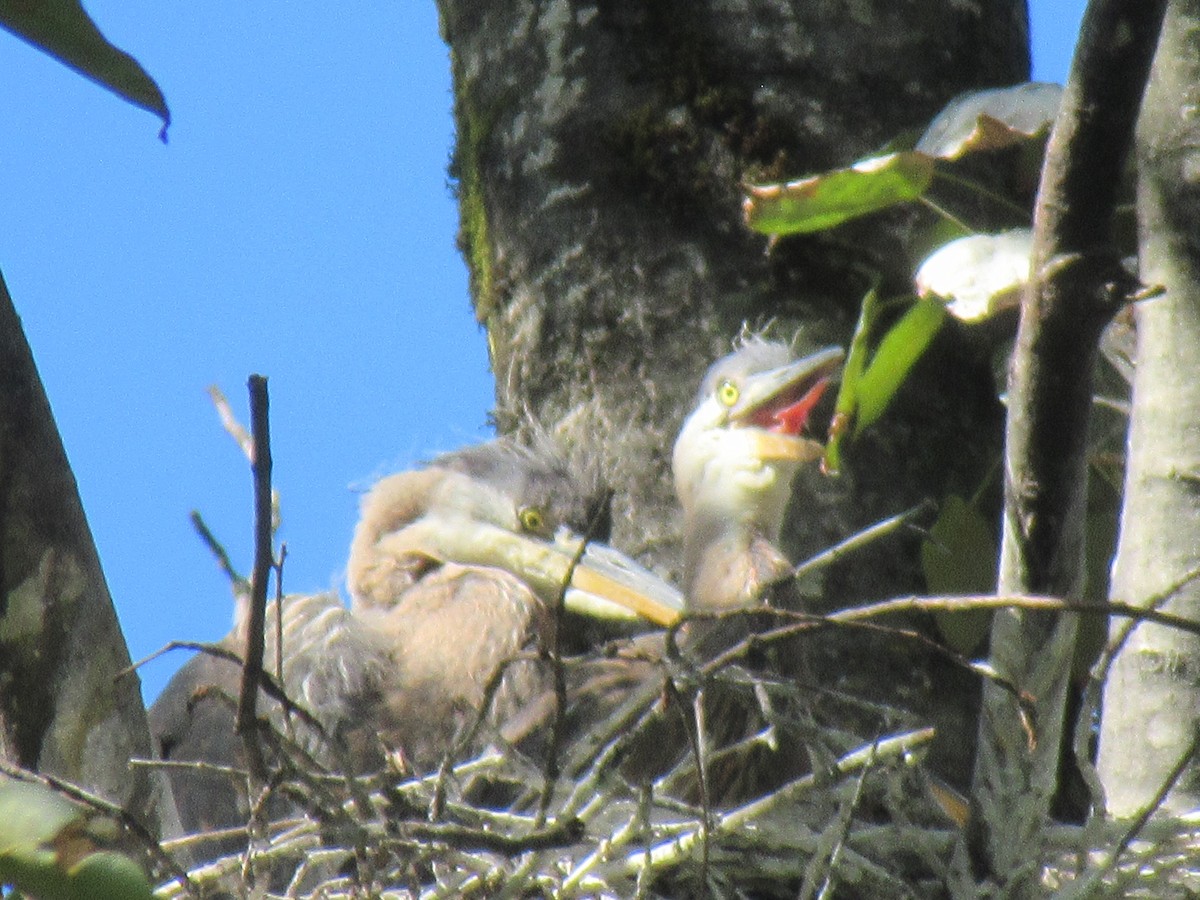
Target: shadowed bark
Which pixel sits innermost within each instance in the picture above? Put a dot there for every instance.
(1077, 285)
(62, 710)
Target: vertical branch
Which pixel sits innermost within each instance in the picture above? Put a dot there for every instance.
(1076, 286)
(263, 561)
(1151, 693)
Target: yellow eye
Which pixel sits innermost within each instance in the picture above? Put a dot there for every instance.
(728, 393)
(532, 519)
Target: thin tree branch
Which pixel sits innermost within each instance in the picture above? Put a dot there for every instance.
(247, 724)
(217, 549)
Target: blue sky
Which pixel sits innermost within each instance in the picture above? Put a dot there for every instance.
(297, 224)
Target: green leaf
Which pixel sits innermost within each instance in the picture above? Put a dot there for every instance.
(845, 407)
(899, 350)
(959, 557)
(109, 876)
(48, 849)
(62, 29)
(819, 202)
(32, 816)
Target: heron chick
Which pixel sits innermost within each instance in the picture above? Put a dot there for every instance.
(455, 570)
(734, 462)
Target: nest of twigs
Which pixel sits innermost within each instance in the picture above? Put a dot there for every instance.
(720, 769)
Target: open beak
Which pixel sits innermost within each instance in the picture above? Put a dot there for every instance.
(777, 404)
(598, 581)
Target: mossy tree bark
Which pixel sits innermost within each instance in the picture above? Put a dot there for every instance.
(601, 149)
(63, 711)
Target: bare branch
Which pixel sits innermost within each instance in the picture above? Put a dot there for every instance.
(237, 580)
(247, 725)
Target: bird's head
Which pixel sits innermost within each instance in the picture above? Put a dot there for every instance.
(740, 447)
(500, 506)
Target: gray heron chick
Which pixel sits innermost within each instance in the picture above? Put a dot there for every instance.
(734, 462)
(461, 566)
(455, 570)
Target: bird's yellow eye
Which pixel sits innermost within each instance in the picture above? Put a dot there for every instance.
(728, 393)
(532, 519)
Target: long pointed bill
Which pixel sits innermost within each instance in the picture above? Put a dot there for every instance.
(607, 584)
(604, 583)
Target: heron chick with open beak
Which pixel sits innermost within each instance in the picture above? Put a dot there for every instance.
(734, 462)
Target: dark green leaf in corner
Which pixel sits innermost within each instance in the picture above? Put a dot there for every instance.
(66, 32)
(49, 849)
(831, 198)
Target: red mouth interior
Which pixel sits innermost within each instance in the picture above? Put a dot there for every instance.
(789, 415)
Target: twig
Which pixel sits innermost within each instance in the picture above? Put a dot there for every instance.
(671, 852)
(1135, 826)
(267, 685)
(857, 541)
(239, 582)
(278, 567)
(842, 825)
(551, 773)
(1015, 601)
(229, 422)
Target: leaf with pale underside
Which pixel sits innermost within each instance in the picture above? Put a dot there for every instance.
(992, 119)
(64, 30)
(980, 275)
(822, 201)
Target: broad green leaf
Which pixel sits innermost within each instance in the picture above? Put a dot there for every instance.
(899, 350)
(822, 201)
(32, 815)
(992, 119)
(64, 30)
(48, 849)
(959, 557)
(979, 275)
(109, 876)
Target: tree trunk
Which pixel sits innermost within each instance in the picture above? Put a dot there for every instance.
(1152, 696)
(601, 148)
(600, 155)
(63, 711)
